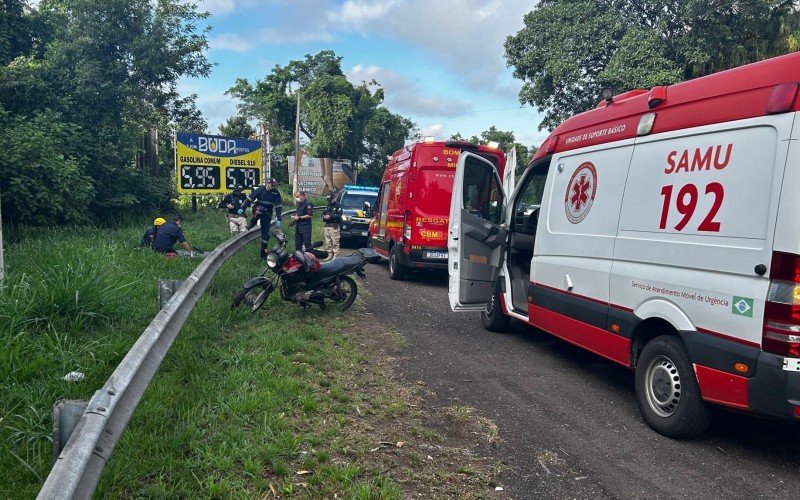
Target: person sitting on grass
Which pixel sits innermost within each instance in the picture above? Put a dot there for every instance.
(168, 234)
(150, 235)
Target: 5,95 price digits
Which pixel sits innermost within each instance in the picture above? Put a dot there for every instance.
(197, 177)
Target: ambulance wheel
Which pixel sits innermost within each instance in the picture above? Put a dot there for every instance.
(492, 317)
(667, 390)
(396, 269)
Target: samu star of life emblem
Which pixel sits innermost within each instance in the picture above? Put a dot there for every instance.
(581, 189)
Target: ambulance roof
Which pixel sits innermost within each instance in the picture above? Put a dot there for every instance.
(735, 94)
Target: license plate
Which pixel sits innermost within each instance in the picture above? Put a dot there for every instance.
(434, 254)
(364, 233)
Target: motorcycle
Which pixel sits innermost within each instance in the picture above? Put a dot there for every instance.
(302, 278)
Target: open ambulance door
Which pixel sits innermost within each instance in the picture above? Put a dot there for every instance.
(476, 236)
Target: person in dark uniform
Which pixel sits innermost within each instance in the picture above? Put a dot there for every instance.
(170, 233)
(150, 235)
(302, 222)
(236, 218)
(332, 217)
(266, 198)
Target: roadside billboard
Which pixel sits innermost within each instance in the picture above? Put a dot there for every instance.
(321, 176)
(212, 164)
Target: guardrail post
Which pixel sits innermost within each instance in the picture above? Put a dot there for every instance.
(66, 414)
(166, 289)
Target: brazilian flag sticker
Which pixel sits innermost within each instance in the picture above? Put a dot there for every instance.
(742, 306)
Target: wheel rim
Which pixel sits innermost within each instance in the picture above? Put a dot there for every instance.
(392, 263)
(490, 307)
(259, 299)
(344, 291)
(663, 386)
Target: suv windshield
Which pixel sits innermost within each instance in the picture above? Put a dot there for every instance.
(356, 200)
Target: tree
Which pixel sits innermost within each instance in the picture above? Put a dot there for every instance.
(339, 119)
(569, 50)
(109, 68)
(506, 142)
(236, 126)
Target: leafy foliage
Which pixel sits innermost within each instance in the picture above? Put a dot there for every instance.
(569, 50)
(339, 119)
(42, 177)
(107, 71)
(506, 141)
(236, 126)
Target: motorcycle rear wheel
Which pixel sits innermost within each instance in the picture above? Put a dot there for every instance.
(346, 294)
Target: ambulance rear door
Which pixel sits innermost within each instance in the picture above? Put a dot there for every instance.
(476, 238)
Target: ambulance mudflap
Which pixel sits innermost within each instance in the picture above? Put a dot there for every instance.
(476, 234)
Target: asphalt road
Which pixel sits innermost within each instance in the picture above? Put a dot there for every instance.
(568, 420)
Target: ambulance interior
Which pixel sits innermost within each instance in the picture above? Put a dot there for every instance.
(526, 210)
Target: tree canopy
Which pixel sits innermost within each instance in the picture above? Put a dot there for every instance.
(568, 50)
(236, 126)
(506, 141)
(338, 119)
(88, 78)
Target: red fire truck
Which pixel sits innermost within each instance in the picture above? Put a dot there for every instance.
(413, 206)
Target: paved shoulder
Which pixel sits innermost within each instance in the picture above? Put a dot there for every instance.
(568, 419)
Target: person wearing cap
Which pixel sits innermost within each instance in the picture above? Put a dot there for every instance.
(237, 221)
(266, 198)
(150, 235)
(170, 233)
(332, 217)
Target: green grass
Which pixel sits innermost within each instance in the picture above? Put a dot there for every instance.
(228, 413)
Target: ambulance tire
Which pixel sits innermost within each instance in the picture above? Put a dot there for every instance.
(667, 390)
(396, 270)
(492, 316)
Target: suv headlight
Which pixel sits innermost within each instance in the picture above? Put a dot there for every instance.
(345, 218)
(272, 260)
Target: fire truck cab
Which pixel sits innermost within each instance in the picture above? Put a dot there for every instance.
(411, 212)
(660, 231)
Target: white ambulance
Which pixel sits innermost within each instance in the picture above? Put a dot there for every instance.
(661, 231)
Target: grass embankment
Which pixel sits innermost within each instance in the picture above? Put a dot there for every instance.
(278, 403)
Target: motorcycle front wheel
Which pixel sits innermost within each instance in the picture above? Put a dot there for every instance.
(259, 298)
(345, 294)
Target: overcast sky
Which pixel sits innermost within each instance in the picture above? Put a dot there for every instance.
(440, 62)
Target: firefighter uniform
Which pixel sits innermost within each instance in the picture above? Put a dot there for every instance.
(267, 199)
(332, 217)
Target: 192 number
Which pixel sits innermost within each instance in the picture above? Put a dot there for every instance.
(686, 203)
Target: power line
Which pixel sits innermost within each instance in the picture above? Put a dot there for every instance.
(469, 112)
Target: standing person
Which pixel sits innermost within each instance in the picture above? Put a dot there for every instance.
(332, 217)
(236, 218)
(170, 233)
(266, 198)
(302, 219)
(150, 234)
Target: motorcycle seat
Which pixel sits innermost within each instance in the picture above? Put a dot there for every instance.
(334, 267)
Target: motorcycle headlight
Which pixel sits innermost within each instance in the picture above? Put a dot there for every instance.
(272, 260)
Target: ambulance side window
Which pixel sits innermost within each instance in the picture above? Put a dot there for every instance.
(529, 201)
(482, 193)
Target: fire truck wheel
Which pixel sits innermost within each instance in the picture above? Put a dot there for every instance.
(396, 269)
(492, 317)
(667, 390)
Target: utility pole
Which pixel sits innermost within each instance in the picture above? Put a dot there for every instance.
(296, 145)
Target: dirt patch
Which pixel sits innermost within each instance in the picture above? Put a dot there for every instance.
(388, 427)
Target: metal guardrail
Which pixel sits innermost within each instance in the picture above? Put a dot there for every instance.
(77, 469)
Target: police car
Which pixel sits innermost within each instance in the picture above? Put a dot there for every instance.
(660, 231)
(358, 205)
